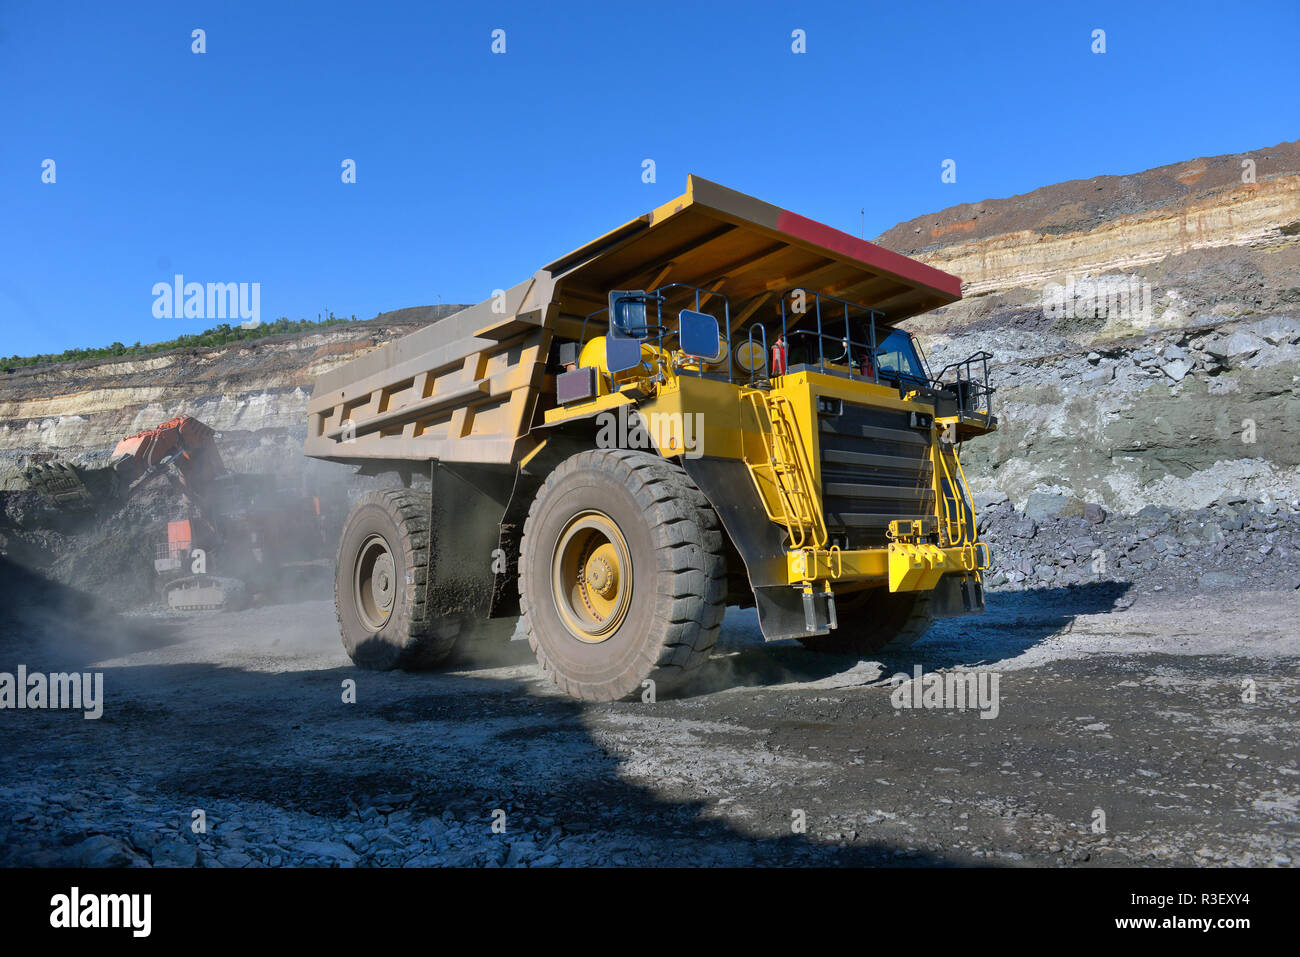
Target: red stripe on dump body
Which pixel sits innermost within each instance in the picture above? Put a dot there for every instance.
(809, 230)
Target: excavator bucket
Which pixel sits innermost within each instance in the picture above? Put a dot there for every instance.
(182, 446)
(70, 487)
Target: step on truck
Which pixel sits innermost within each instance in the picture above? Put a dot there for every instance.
(711, 405)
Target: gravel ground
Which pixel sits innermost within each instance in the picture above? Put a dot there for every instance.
(1114, 702)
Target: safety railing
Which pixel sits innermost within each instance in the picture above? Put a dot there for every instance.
(952, 499)
(967, 379)
(969, 382)
(846, 350)
(959, 512)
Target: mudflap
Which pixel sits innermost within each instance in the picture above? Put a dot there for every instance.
(957, 595)
(474, 547)
(782, 610)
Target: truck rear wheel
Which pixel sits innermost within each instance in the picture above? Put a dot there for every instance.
(379, 584)
(875, 620)
(622, 576)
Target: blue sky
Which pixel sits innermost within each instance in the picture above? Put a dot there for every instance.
(474, 169)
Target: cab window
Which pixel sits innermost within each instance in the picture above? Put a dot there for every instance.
(896, 354)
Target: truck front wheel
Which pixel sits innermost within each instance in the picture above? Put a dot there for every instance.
(622, 575)
(379, 584)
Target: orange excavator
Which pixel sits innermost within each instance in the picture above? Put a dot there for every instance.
(239, 535)
(182, 448)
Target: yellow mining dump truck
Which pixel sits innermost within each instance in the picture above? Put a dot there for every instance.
(710, 405)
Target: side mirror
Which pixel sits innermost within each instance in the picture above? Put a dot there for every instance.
(621, 353)
(627, 330)
(627, 314)
(697, 332)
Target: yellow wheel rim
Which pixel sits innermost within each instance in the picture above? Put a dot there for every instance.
(591, 578)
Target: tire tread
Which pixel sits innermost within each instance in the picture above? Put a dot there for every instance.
(691, 584)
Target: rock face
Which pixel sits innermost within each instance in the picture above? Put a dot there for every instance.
(1230, 544)
(254, 393)
(1112, 223)
(1145, 331)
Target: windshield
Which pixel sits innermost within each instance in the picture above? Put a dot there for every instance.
(896, 354)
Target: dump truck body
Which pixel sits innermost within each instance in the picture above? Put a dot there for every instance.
(754, 349)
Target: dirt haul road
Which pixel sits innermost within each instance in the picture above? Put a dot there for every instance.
(1170, 721)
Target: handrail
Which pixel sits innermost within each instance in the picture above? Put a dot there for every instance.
(661, 298)
(802, 469)
(765, 367)
(846, 340)
(964, 509)
(790, 471)
(982, 355)
(978, 397)
(974, 393)
(965, 490)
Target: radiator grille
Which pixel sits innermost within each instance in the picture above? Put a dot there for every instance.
(875, 470)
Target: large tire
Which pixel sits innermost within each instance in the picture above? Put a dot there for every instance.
(622, 575)
(875, 620)
(379, 584)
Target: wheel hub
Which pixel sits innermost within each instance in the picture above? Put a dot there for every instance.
(381, 585)
(592, 577)
(600, 574)
(374, 583)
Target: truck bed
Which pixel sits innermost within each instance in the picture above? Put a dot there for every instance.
(467, 388)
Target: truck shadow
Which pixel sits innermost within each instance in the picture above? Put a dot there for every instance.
(420, 766)
(277, 760)
(280, 767)
(1014, 622)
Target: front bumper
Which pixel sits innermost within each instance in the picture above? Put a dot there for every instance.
(905, 567)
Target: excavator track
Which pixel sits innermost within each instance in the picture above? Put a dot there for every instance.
(205, 593)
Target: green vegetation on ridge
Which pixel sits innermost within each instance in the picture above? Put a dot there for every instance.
(216, 336)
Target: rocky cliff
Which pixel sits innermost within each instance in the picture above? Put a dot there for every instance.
(1113, 223)
(1144, 329)
(254, 393)
(1145, 332)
